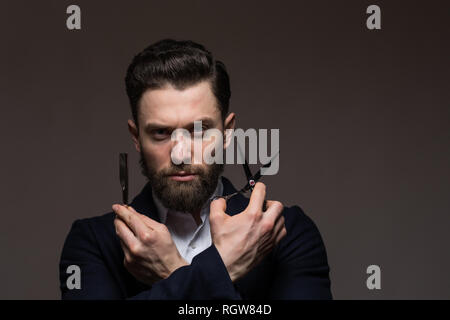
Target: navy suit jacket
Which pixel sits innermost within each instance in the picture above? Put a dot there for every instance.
(297, 268)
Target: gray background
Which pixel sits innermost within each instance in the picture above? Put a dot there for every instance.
(363, 118)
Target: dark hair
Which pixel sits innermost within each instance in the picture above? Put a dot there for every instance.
(179, 63)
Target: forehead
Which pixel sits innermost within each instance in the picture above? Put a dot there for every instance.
(173, 107)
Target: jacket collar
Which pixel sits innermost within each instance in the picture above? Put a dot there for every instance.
(144, 203)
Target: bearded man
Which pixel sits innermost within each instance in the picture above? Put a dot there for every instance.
(178, 239)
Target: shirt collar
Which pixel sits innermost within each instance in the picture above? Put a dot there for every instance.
(163, 211)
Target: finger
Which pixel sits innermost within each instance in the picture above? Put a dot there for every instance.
(279, 224)
(274, 210)
(280, 216)
(132, 209)
(270, 203)
(264, 207)
(217, 211)
(152, 224)
(257, 197)
(281, 235)
(125, 234)
(218, 205)
(131, 219)
(127, 256)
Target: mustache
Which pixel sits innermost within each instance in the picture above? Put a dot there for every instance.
(186, 169)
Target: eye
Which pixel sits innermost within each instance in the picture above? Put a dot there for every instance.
(160, 134)
(200, 131)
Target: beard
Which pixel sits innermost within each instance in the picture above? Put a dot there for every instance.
(184, 196)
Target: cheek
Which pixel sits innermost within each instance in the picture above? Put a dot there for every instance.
(158, 156)
(209, 145)
(213, 143)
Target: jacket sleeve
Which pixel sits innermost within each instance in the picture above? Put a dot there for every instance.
(206, 277)
(302, 270)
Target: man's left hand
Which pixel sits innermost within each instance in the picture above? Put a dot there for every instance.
(150, 253)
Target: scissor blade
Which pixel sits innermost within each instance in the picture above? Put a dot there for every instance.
(123, 173)
(248, 172)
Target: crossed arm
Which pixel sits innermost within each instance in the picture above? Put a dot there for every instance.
(242, 240)
(239, 243)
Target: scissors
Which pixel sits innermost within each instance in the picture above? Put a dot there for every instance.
(251, 180)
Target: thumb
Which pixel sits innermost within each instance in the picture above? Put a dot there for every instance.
(217, 207)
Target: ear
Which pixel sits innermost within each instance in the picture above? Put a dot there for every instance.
(134, 134)
(229, 124)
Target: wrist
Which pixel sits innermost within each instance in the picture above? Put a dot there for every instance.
(228, 262)
(176, 265)
(180, 263)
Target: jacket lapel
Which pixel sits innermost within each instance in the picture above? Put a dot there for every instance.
(144, 204)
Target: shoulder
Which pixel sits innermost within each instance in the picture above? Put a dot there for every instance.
(100, 223)
(303, 235)
(90, 233)
(296, 220)
(303, 238)
(96, 224)
(301, 259)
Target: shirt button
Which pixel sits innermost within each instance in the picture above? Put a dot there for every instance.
(193, 246)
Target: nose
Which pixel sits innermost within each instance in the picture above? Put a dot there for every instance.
(181, 151)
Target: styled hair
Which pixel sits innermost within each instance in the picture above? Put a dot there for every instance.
(180, 64)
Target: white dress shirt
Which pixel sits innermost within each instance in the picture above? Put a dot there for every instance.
(189, 238)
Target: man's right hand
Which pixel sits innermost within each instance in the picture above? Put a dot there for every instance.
(244, 239)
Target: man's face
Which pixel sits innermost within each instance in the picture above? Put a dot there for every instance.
(184, 187)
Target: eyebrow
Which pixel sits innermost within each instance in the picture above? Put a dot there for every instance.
(154, 125)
